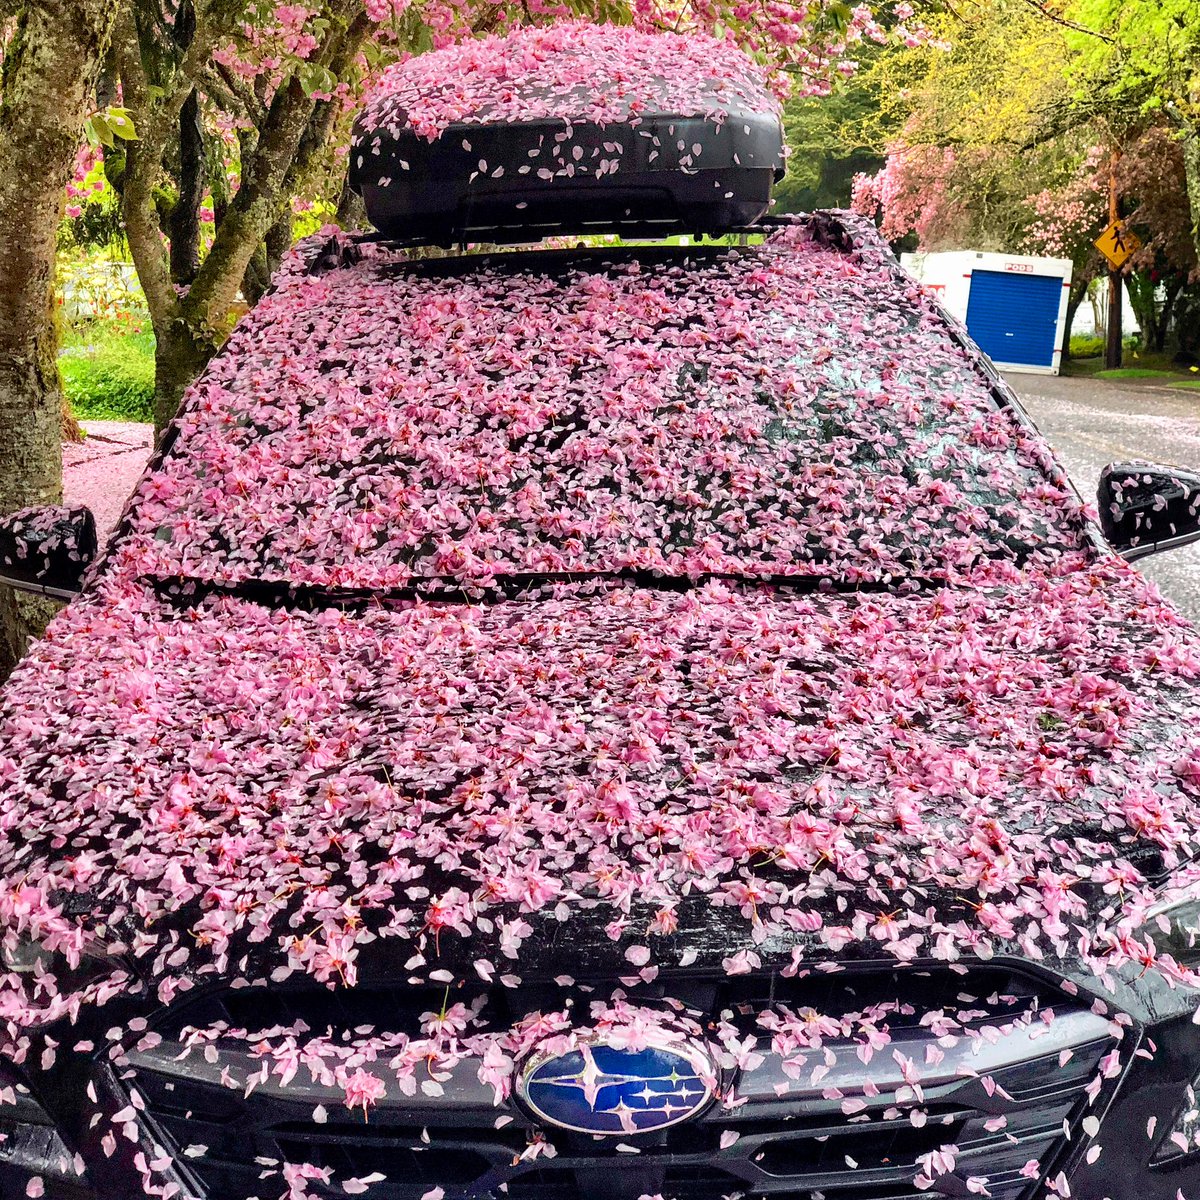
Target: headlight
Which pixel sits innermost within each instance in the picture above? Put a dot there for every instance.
(70, 957)
(52, 980)
(1182, 1140)
(26, 955)
(29, 1140)
(1175, 927)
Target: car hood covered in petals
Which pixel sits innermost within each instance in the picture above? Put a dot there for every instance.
(222, 783)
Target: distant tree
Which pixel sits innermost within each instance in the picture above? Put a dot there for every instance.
(1004, 140)
(1151, 181)
(915, 195)
(1143, 57)
(959, 119)
(831, 139)
(1066, 221)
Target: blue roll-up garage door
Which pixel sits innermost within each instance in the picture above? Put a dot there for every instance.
(1014, 318)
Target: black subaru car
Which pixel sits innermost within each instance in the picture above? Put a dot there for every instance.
(601, 720)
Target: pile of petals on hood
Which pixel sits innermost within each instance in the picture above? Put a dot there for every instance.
(776, 410)
(239, 786)
(571, 71)
(229, 776)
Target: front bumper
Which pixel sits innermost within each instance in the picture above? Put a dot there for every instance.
(1087, 1094)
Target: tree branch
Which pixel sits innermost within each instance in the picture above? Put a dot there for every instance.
(142, 163)
(1067, 23)
(255, 207)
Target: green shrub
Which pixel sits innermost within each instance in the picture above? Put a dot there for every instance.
(1086, 347)
(110, 379)
(1091, 346)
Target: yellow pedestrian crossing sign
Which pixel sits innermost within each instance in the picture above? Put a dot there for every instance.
(1118, 244)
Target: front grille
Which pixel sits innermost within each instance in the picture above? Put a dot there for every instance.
(793, 1143)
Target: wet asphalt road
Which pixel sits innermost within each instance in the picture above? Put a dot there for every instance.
(1091, 422)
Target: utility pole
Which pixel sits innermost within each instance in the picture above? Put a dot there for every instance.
(1112, 350)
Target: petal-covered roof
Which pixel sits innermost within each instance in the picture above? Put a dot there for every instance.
(570, 70)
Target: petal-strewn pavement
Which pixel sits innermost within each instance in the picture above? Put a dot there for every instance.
(101, 471)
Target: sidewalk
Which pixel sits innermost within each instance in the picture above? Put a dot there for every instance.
(101, 471)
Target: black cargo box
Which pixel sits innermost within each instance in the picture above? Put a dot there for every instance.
(520, 181)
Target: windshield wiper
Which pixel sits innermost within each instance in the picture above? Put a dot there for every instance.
(182, 590)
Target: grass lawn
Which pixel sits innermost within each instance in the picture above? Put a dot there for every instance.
(1137, 373)
(1139, 364)
(108, 375)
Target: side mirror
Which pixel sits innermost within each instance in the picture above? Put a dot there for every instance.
(47, 550)
(1146, 508)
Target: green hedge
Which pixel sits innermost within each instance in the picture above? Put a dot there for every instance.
(1086, 347)
(111, 379)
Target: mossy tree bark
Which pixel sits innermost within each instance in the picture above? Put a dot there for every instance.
(193, 303)
(49, 72)
(1191, 170)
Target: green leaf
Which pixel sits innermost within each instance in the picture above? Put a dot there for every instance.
(106, 127)
(121, 124)
(315, 78)
(97, 131)
(839, 14)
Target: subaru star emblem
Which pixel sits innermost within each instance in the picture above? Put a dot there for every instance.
(602, 1089)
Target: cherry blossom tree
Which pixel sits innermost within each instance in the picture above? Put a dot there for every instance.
(1152, 180)
(236, 111)
(991, 198)
(915, 193)
(1065, 222)
(275, 87)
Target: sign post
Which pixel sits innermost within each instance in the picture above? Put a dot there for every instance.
(1118, 244)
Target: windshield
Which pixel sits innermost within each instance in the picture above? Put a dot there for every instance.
(780, 410)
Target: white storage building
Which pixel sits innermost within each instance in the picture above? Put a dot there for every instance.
(1013, 305)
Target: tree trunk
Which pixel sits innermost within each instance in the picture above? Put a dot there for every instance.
(351, 211)
(1172, 291)
(1191, 171)
(179, 357)
(190, 328)
(183, 225)
(1074, 300)
(70, 427)
(1140, 289)
(266, 259)
(1099, 312)
(49, 73)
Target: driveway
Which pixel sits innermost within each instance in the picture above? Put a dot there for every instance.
(101, 471)
(1090, 422)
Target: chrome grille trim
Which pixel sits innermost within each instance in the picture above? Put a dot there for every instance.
(790, 1142)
